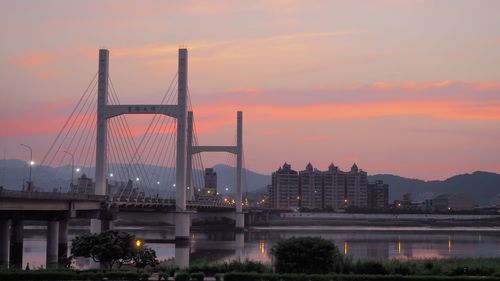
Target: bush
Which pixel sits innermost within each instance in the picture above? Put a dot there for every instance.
(369, 267)
(198, 276)
(182, 276)
(218, 276)
(53, 274)
(246, 266)
(307, 255)
(242, 276)
(248, 276)
(168, 270)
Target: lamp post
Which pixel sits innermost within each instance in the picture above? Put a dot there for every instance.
(31, 159)
(72, 165)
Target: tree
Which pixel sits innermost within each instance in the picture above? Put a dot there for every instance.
(109, 248)
(311, 255)
(144, 257)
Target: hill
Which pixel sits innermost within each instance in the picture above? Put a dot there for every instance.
(483, 187)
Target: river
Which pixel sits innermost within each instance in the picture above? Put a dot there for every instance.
(358, 242)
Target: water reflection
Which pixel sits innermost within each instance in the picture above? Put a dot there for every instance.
(255, 245)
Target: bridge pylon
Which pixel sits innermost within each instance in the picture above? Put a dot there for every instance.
(238, 150)
(106, 111)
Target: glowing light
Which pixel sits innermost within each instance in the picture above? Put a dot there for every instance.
(346, 248)
(449, 244)
(227, 188)
(173, 185)
(32, 163)
(78, 170)
(262, 246)
(137, 179)
(138, 243)
(398, 247)
(158, 182)
(111, 175)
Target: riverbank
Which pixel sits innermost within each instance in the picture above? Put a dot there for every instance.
(399, 220)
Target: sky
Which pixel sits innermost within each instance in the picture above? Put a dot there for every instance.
(403, 87)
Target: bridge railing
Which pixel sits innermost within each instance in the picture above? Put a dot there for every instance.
(16, 194)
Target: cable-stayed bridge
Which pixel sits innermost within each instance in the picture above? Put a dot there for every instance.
(97, 133)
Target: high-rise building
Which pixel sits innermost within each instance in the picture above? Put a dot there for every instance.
(334, 181)
(84, 185)
(356, 188)
(284, 191)
(332, 189)
(210, 178)
(378, 195)
(311, 188)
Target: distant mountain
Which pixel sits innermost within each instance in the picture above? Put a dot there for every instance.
(226, 176)
(483, 187)
(13, 172)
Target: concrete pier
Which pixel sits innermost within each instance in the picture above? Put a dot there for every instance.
(52, 243)
(4, 243)
(240, 221)
(182, 225)
(239, 245)
(182, 252)
(16, 244)
(63, 243)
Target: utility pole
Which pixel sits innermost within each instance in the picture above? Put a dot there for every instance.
(72, 165)
(31, 163)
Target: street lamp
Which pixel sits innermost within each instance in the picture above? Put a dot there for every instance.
(72, 165)
(31, 158)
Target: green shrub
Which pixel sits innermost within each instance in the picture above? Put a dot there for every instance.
(168, 270)
(218, 276)
(242, 276)
(53, 274)
(369, 267)
(245, 266)
(306, 255)
(198, 276)
(249, 276)
(182, 276)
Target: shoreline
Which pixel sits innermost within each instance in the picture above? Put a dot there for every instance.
(484, 229)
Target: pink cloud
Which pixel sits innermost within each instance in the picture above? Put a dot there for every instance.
(31, 59)
(46, 118)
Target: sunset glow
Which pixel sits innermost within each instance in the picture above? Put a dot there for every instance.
(404, 87)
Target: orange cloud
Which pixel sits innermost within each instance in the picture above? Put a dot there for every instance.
(42, 119)
(31, 59)
(245, 90)
(412, 85)
(442, 109)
